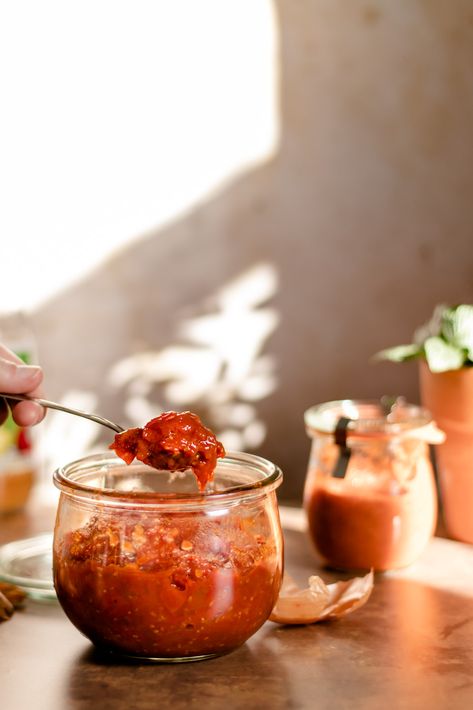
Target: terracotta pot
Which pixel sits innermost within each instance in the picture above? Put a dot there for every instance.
(449, 397)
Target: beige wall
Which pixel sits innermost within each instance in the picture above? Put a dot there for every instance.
(366, 214)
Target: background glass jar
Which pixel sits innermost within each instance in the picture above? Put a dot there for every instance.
(145, 565)
(382, 511)
(18, 460)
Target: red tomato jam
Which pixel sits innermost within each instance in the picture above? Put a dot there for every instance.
(172, 442)
(169, 585)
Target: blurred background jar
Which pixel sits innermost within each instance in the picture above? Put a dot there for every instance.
(370, 499)
(17, 455)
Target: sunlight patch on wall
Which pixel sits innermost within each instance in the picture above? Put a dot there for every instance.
(219, 370)
(117, 117)
(218, 367)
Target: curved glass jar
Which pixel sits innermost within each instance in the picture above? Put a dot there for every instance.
(144, 565)
(382, 513)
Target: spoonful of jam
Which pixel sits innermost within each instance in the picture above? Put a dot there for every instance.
(172, 442)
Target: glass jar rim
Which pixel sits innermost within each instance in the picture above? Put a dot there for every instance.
(402, 416)
(271, 478)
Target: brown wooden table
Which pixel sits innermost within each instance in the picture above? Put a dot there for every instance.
(410, 647)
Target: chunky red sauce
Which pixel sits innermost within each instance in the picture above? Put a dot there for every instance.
(381, 515)
(172, 442)
(176, 585)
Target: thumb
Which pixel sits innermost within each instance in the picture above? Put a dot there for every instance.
(18, 378)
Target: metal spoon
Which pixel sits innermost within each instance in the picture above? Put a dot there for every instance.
(54, 405)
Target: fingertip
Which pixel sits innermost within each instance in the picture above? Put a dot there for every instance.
(19, 379)
(28, 413)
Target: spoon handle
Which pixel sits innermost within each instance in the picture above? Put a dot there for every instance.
(60, 407)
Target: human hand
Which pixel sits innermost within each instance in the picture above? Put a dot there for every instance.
(18, 378)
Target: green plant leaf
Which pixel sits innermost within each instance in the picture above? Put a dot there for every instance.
(442, 356)
(400, 353)
(457, 326)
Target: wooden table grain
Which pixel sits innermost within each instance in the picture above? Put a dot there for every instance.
(409, 648)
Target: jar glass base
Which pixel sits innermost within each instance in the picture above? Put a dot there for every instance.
(158, 659)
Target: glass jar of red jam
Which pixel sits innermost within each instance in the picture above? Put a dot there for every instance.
(370, 494)
(145, 565)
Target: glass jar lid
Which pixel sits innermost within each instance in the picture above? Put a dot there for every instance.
(28, 564)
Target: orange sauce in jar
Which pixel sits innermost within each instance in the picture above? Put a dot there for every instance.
(172, 586)
(382, 513)
(146, 565)
(15, 487)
